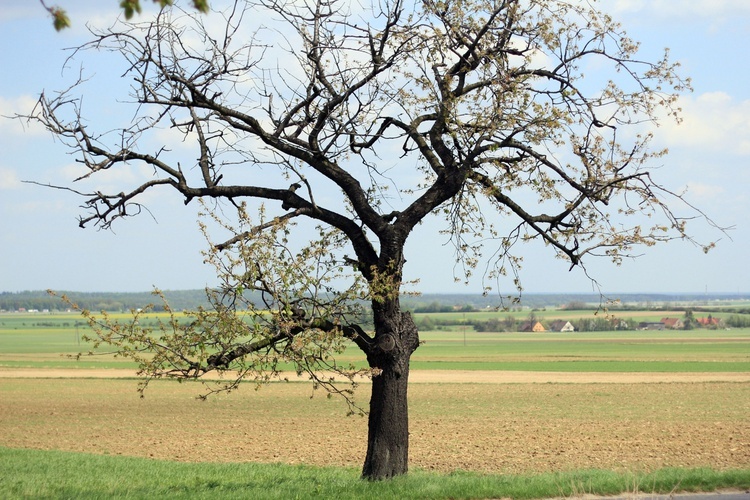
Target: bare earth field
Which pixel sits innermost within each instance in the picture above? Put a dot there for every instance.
(440, 376)
(504, 422)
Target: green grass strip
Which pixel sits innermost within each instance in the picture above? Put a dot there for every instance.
(55, 474)
(588, 366)
(82, 365)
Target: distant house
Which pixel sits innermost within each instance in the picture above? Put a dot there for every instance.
(621, 324)
(708, 322)
(530, 326)
(651, 325)
(673, 323)
(560, 325)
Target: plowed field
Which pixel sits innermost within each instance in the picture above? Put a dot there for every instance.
(501, 425)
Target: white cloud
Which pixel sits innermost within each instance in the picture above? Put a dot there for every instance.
(43, 206)
(10, 126)
(9, 179)
(712, 18)
(121, 178)
(711, 121)
(702, 192)
(700, 9)
(120, 175)
(20, 10)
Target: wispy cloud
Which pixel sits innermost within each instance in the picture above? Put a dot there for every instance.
(703, 9)
(9, 179)
(713, 121)
(12, 127)
(704, 192)
(21, 10)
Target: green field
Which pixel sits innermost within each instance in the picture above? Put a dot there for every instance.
(53, 340)
(648, 351)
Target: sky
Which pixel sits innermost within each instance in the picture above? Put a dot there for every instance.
(41, 245)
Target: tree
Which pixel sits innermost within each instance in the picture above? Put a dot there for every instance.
(688, 321)
(475, 111)
(510, 324)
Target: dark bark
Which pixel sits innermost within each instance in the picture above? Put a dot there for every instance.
(388, 427)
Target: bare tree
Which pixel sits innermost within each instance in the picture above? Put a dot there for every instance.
(363, 120)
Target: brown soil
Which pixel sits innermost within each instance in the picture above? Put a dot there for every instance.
(440, 376)
(507, 422)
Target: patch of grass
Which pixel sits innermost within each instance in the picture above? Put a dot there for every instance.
(54, 474)
(66, 362)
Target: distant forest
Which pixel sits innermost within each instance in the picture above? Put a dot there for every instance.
(101, 301)
(426, 303)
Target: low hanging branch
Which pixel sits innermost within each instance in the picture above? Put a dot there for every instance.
(244, 339)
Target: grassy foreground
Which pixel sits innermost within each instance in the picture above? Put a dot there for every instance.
(55, 474)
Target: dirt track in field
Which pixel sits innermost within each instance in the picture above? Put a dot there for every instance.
(442, 376)
(504, 422)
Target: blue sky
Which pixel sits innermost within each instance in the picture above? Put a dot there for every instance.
(42, 247)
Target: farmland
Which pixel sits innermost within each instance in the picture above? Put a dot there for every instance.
(53, 340)
(497, 403)
(497, 428)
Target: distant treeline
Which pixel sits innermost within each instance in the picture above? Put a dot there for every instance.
(426, 303)
(437, 307)
(435, 303)
(738, 321)
(98, 301)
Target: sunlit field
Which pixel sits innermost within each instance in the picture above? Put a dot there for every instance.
(487, 403)
(54, 340)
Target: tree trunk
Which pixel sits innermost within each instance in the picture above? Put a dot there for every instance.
(388, 431)
(388, 427)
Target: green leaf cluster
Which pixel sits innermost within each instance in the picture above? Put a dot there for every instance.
(60, 19)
